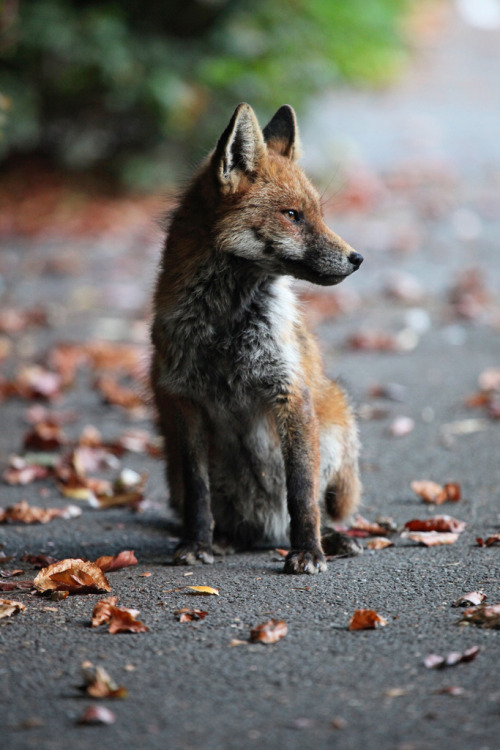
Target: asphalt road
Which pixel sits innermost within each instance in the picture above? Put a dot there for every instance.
(321, 686)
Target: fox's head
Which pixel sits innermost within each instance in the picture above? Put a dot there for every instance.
(267, 211)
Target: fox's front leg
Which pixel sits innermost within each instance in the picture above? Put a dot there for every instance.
(299, 432)
(196, 544)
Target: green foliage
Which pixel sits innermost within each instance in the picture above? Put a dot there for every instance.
(133, 84)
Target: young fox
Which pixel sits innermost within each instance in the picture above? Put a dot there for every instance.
(256, 436)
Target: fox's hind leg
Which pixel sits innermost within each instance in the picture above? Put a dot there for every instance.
(340, 486)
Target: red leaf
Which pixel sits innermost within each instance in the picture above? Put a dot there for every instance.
(123, 559)
(436, 523)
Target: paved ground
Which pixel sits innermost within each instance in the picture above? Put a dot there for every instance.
(428, 217)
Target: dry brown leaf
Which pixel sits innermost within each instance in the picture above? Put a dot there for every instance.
(472, 599)
(145, 575)
(16, 586)
(38, 561)
(22, 512)
(489, 541)
(282, 552)
(123, 559)
(372, 529)
(379, 542)
(188, 615)
(100, 684)
(484, 615)
(203, 590)
(20, 472)
(114, 393)
(45, 436)
(436, 523)
(73, 575)
(124, 621)
(269, 632)
(237, 642)
(434, 661)
(34, 381)
(10, 573)
(103, 611)
(430, 538)
(374, 341)
(366, 619)
(431, 492)
(97, 715)
(8, 607)
(119, 619)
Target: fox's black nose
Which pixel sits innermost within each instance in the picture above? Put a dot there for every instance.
(356, 259)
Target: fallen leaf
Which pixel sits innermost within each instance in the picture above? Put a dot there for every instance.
(366, 619)
(473, 598)
(100, 684)
(38, 561)
(431, 492)
(124, 559)
(16, 586)
(188, 615)
(203, 590)
(379, 542)
(484, 616)
(118, 395)
(9, 607)
(373, 341)
(430, 538)
(119, 619)
(434, 661)
(45, 436)
(282, 552)
(97, 715)
(489, 541)
(22, 512)
(373, 529)
(269, 632)
(145, 575)
(34, 381)
(237, 642)
(10, 573)
(103, 610)
(73, 575)
(20, 472)
(436, 523)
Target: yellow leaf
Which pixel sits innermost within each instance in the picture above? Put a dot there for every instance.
(204, 590)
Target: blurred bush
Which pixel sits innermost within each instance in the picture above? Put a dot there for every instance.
(131, 85)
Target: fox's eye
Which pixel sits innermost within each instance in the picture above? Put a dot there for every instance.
(292, 215)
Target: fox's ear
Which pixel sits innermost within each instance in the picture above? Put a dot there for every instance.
(282, 134)
(240, 148)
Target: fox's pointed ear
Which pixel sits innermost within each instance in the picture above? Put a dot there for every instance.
(240, 148)
(282, 134)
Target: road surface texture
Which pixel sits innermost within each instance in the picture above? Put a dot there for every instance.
(421, 202)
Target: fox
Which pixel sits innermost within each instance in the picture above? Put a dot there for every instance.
(260, 445)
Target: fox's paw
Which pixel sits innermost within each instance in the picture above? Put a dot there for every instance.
(190, 553)
(305, 561)
(336, 544)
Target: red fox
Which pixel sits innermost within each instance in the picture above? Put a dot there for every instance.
(257, 439)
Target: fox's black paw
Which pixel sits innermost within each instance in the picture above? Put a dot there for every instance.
(336, 544)
(190, 553)
(305, 561)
